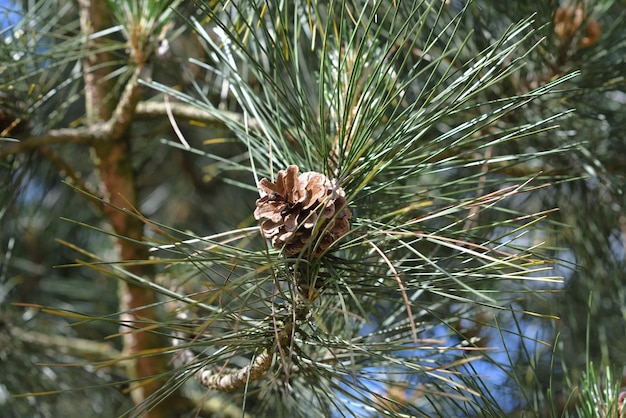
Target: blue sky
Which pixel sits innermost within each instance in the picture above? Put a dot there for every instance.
(7, 13)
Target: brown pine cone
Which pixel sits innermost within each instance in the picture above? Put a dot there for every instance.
(568, 21)
(305, 211)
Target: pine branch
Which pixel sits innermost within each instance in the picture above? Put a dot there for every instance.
(95, 16)
(153, 109)
(229, 378)
(98, 132)
(64, 168)
(124, 113)
(118, 183)
(232, 379)
(76, 347)
(83, 135)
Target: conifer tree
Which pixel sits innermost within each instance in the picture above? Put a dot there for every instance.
(320, 208)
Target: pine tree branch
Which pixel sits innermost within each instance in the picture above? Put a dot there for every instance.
(76, 347)
(119, 188)
(152, 109)
(64, 168)
(83, 135)
(229, 380)
(124, 113)
(95, 16)
(115, 127)
(223, 379)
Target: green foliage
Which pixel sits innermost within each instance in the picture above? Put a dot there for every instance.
(391, 103)
(599, 394)
(455, 129)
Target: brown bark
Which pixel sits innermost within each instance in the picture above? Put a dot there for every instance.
(95, 16)
(113, 158)
(119, 188)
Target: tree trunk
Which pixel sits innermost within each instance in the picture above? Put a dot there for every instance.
(118, 187)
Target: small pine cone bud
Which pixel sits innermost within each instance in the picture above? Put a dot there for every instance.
(569, 20)
(299, 212)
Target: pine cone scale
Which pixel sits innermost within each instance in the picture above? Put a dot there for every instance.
(293, 207)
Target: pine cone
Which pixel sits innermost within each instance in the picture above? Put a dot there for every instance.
(568, 21)
(297, 207)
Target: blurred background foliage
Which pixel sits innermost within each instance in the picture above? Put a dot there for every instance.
(548, 115)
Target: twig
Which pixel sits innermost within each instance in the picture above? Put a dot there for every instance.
(152, 109)
(77, 347)
(230, 378)
(121, 118)
(124, 113)
(82, 135)
(64, 168)
(114, 128)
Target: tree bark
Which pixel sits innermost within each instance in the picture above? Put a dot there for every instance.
(113, 159)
